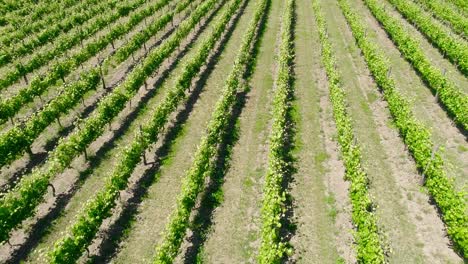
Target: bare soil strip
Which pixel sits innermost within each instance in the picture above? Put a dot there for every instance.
(20, 84)
(228, 230)
(29, 109)
(111, 236)
(236, 223)
(316, 211)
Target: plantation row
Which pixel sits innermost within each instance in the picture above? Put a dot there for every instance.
(9, 7)
(19, 203)
(454, 100)
(451, 16)
(63, 206)
(29, 45)
(273, 249)
(204, 162)
(35, 20)
(416, 137)
(12, 10)
(71, 247)
(462, 5)
(62, 69)
(19, 139)
(456, 50)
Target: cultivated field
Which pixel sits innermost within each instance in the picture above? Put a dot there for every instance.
(234, 131)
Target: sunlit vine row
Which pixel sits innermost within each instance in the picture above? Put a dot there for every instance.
(17, 140)
(462, 5)
(10, 106)
(273, 249)
(24, 17)
(17, 13)
(416, 136)
(71, 246)
(455, 101)
(54, 30)
(456, 50)
(20, 203)
(204, 161)
(449, 15)
(43, 57)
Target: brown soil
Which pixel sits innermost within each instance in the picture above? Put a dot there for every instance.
(162, 196)
(318, 182)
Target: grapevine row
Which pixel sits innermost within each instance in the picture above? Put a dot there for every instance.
(442, 11)
(272, 248)
(19, 32)
(456, 50)
(39, 85)
(20, 203)
(416, 136)
(144, 35)
(455, 101)
(11, 6)
(462, 5)
(41, 13)
(369, 249)
(19, 139)
(203, 163)
(15, 10)
(70, 247)
(16, 51)
(14, 20)
(42, 57)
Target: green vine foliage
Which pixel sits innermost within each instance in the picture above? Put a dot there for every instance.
(19, 139)
(273, 249)
(456, 50)
(54, 29)
(70, 247)
(20, 203)
(33, 17)
(65, 42)
(462, 5)
(40, 84)
(457, 22)
(454, 101)
(416, 136)
(15, 8)
(203, 164)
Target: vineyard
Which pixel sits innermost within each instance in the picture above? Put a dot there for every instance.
(234, 131)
